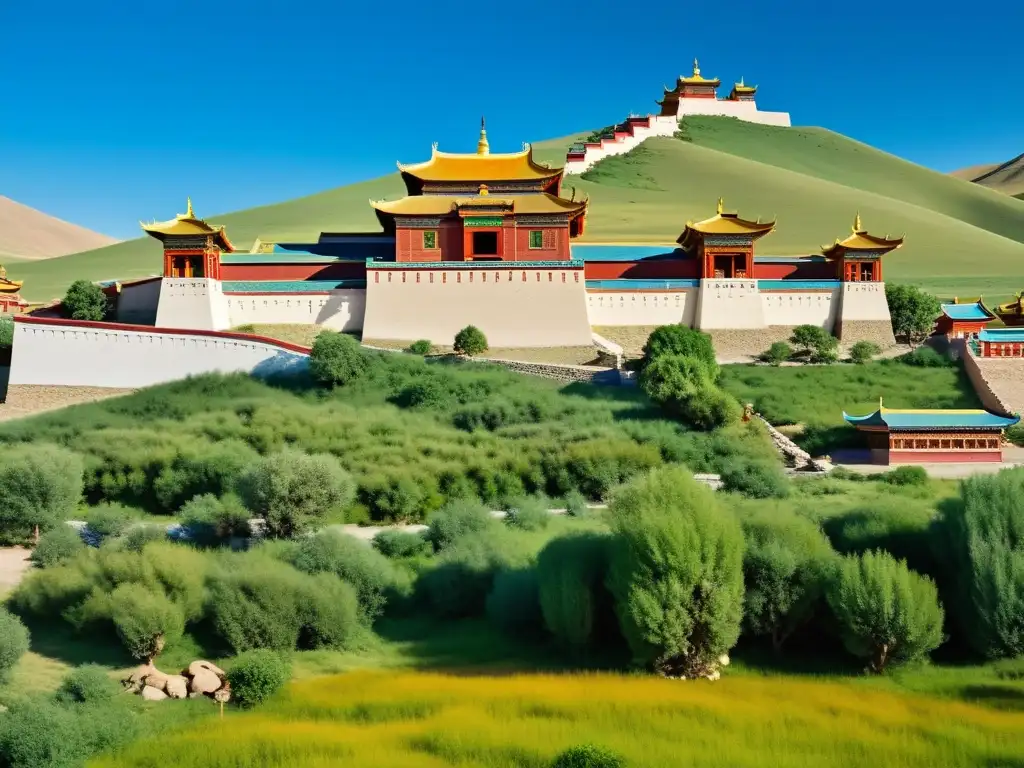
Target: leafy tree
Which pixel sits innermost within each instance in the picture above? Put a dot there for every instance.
(6, 332)
(816, 342)
(337, 359)
(87, 684)
(588, 756)
(145, 619)
(39, 733)
(756, 478)
(570, 571)
(887, 614)
(863, 351)
(470, 341)
(420, 347)
(458, 519)
(109, 519)
(40, 487)
(786, 568)
(912, 311)
(211, 520)
(13, 642)
(676, 572)
(681, 340)
(292, 491)
(778, 353)
(84, 301)
(528, 513)
(57, 546)
(257, 675)
(982, 540)
(684, 387)
(399, 544)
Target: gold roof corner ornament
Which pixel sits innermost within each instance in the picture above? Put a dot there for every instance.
(482, 146)
(880, 402)
(721, 202)
(188, 212)
(856, 224)
(3, 272)
(696, 68)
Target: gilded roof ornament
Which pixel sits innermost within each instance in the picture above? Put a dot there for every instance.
(482, 146)
(721, 202)
(188, 213)
(856, 223)
(696, 68)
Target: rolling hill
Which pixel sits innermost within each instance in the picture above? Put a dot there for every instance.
(29, 235)
(1007, 178)
(961, 237)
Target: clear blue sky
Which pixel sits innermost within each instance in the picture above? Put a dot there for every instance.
(111, 112)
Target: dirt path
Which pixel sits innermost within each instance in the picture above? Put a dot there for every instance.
(14, 563)
(24, 400)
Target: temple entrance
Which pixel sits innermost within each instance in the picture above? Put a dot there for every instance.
(187, 266)
(730, 266)
(485, 244)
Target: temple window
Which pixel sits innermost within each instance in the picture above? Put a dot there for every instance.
(536, 238)
(429, 238)
(867, 272)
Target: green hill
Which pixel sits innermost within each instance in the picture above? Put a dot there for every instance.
(961, 238)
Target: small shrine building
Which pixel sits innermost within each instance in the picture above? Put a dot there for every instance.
(723, 246)
(1001, 342)
(905, 436)
(858, 257)
(962, 321)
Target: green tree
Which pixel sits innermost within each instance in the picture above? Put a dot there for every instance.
(145, 620)
(887, 614)
(863, 351)
(84, 301)
(87, 684)
(588, 756)
(681, 340)
(6, 332)
(13, 642)
(257, 675)
(814, 341)
(336, 359)
(57, 546)
(470, 341)
(676, 572)
(293, 491)
(778, 353)
(40, 488)
(684, 387)
(570, 571)
(420, 347)
(912, 311)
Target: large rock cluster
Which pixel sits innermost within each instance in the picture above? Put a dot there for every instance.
(201, 678)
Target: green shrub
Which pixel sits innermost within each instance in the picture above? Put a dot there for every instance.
(87, 684)
(109, 519)
(863, 351)
(926, 357)
(145, 620)
(14, 640)
(470, 341)
(907, 475)
(528, 514)
(42, 734)
(456, 520)
(887, 614)
(136, 538)
(513, 604)
(257, 675)
(337, 359)
(588, 756)
(683, 341)
(202, 469)
(570, 572)
(84, 301)
(351, 560)
(981, 543)
(210, 520)
(778, 353)
(40, 485)
(1015, 434)
(398, 544)
(676, 572)
(420, 347)
(6, 332)
(57, 546)
(786, 568)
(900, 526)
(460, 578)
(911, 311)
(576, 504)
(756, 479)
(684, 387)
(594, 467)
(293, 491)
(815, 342)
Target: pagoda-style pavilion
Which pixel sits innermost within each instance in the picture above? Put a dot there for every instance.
(963, 321)
(483, 206)
(724, 244)
(10, 297)
(192, 247)
(742, 92)
(696, 86)
(899, 436)
(858, 257)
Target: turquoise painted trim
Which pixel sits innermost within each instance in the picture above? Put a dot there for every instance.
(1002, 335)
(288, 286)
(614, 252)
(936, 419)
(797, 285)
(965, 312)
(626, 285)
(567, 264)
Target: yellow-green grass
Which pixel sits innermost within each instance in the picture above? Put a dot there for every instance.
(426, 719)
(960, 237)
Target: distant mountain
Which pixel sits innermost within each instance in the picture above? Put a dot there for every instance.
(1007, 177)
(30, 235)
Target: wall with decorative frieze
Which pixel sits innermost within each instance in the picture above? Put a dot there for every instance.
(793, 308)
(340, 310)
(642, 308)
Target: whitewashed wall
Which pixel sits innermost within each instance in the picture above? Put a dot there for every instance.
(801, 308)
(105, 355)
(660, 126)
(864, 302)
(642, 307)
(341, 310)
(192, 302)
(741, 110)
(725, 304)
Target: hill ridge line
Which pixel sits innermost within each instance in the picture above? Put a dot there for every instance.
(999, 168)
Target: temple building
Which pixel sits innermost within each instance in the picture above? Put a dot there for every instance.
(900, 436)
(1000, 342)
(742, 92)
(723, 245)
(858, 258)
(695, 94)
(11, 302)
(962, 321)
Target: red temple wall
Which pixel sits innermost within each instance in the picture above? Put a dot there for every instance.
(350, 270)
(943, 457)
(959, 328)
(1001, 349)
(667, 269)
(556, 244)
(815, 270)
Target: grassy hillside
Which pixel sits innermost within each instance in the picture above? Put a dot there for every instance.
(961, 238)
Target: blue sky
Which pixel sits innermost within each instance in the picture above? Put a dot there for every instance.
(113, 112)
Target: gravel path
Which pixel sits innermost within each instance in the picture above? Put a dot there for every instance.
(27, 400)
(13, 564)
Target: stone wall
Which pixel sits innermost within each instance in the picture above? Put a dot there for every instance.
(736, 342)
(877, 331)
(566, 373)
(987, 379)
(631, 338)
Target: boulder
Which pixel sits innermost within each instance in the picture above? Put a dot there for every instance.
(149, 693)
(177, 686)
(199, 666)
(205, 682)
(155, 678)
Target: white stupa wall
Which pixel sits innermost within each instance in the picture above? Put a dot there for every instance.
(741, 110)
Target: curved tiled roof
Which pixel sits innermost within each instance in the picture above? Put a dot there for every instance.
(897, 418)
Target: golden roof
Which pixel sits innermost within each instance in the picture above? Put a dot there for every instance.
(440, 205)
(742, 87)
(8, 286)
(723, 223)
(185, 225)
(860, 240)
(696, 78)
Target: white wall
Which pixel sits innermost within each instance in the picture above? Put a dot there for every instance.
(742, 110)
(642, 307)
(864, 301)
(801, 308)
(192, 302)
(660, 126)
(67, 354)
(546, 309)
(340, 310)
(727, 304)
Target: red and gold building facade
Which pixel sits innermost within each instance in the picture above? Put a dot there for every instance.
(192, 248)
(1001, 342)
(962, 321)
(723, 246)
(858, 257)
(695, 86)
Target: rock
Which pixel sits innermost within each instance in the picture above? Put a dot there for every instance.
(177, 686)
(205, 682)
(155, 678)
(195, 695)
(149, 693)
(197, 666)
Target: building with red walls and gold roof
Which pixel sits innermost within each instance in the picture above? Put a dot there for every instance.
(858, 257)
(723, 245)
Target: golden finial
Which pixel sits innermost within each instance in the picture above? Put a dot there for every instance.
(483, 190)
(188, 213)
(3, 272)
(696, 68)
(482, 147)
(721, 206)
(879, 402)
(856, 223)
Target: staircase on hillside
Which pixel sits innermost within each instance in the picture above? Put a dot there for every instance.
(627, 135)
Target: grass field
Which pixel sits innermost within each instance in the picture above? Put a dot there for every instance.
(523, 721)
(961, 238)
